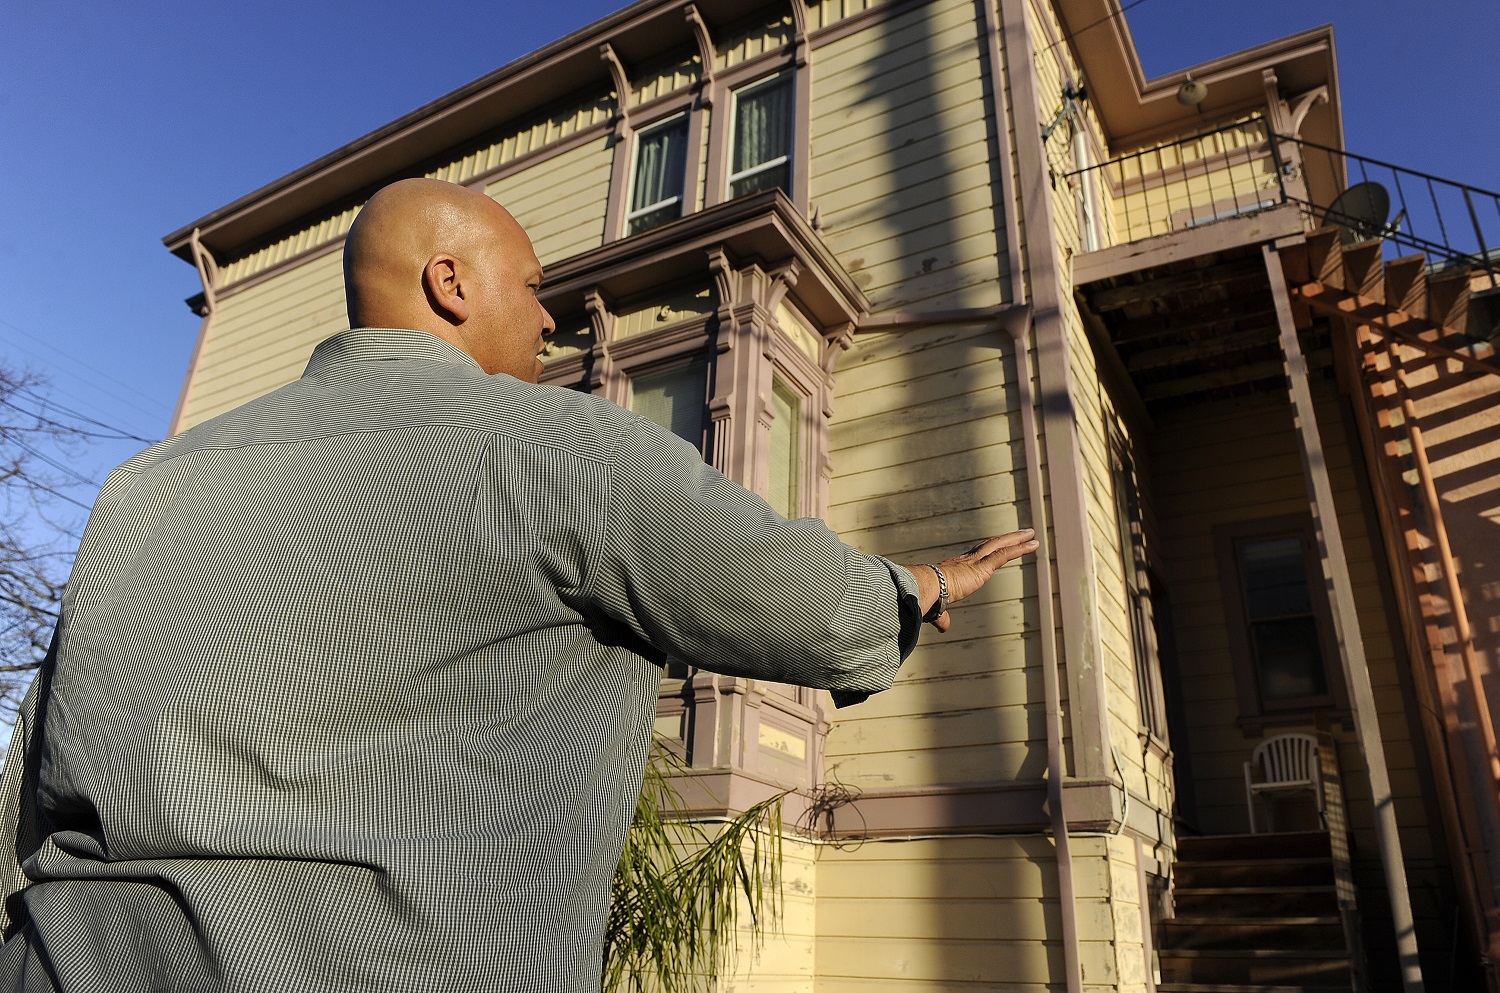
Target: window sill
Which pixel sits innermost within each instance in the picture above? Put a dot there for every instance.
(1255, 726)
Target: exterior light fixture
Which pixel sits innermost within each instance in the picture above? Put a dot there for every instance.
(1192, 92)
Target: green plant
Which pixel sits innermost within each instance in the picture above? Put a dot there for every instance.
(674, 902)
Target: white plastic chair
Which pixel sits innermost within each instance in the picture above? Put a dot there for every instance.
(1283, 763)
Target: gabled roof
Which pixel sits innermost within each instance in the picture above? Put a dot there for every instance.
(641, 31)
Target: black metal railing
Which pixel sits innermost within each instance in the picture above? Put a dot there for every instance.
(1451, 223)
(1196, 179)
(1242, 167)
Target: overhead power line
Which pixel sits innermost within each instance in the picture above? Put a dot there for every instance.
(1073, 36)
(119, 433)
(155, 401)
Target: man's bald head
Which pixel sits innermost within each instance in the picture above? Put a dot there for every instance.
(441, 258)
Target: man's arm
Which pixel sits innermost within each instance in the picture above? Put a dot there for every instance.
(706, 571)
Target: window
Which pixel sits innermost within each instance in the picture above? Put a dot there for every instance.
(784, 487)
(657, 176)
(1283, 631)
(761, 143)
(1135, 568)
(1278, 616)
(674, 397)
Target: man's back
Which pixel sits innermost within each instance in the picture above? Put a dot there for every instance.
(354, 684)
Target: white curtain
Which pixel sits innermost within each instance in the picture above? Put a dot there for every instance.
(762, 139)
(661, 157)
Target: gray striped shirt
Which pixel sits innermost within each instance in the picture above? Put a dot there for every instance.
(354, 684)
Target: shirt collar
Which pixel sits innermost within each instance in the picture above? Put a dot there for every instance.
(385, 345)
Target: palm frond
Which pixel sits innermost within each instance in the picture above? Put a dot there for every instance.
(675, 899)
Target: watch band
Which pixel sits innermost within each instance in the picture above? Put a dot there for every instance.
(939, 608)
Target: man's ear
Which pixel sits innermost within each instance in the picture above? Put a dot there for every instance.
(443, 282)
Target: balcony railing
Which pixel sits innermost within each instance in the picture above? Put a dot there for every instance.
(1243, 167)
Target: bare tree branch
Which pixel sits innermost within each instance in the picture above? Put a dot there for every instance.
(38, 524)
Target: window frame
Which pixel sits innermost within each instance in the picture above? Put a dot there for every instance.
(661, 123)
(1135, 575)
(784, 77)
(1256, 712)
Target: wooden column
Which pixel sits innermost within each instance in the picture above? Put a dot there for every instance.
(1346, 625)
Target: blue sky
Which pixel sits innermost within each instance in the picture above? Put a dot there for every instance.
(120, 122)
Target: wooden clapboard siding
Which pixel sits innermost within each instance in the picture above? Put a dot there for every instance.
(1144, 772)
(923, 444)
(328, 228)
(757, 36)
(561, 202)
(783, 959)
(947, 913)
(901, 172)
(528, 135)
(262, 336)
(665, 76)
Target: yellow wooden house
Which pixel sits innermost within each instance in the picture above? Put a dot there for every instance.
(932, 269)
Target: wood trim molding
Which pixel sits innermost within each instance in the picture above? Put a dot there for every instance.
(1082, 649)
(765, 229)
(582, 136)
(1009, 807)
(1000, 99)
(208, 275)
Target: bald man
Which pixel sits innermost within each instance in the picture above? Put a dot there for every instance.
(353, 685)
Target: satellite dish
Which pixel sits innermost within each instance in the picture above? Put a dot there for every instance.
(1360, 212)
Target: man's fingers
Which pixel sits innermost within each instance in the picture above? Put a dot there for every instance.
(1008, 545)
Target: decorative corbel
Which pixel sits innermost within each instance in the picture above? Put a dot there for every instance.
(725, 279)
(604, 377)
(836, 342)
(783, 278)
(799, 28)
(600, 319)
(705, 45)
(622, 88)
(1303, 103)
(208, 272)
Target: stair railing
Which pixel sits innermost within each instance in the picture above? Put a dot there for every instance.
(1452, 223)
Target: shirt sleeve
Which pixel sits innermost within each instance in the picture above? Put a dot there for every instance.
(706, 571)
(20, 827)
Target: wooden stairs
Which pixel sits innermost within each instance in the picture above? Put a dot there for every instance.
(1399, 299)
(1255, 913)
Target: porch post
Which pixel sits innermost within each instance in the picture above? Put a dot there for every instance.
(1346, 625)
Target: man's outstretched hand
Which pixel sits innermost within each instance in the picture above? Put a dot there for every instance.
(966, 573)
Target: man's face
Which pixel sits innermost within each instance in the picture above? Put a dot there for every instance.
(507, 323)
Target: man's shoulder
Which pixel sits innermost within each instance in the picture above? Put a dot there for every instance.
(410, 399)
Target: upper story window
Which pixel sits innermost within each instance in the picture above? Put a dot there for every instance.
(761, 143)
(657, 176)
